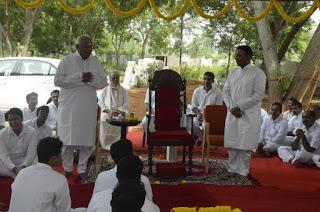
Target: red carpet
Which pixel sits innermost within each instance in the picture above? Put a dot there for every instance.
(271, 172)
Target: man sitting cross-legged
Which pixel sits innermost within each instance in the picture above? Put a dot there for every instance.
(273, 132)
(39, 188)
(128, 194)
(108, 179)
(18, 143)
(39, 124)
(305, 144)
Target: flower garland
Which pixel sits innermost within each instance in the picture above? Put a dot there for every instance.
(118, 12)
(264, 13)
(220, 14)
(180, 12)
(77, 11)
(30, 5)
(306, 15)
(205, 209)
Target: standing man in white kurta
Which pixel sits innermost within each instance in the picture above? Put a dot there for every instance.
(243, 93)
(114, 102)
(207, 94)
(79, 75)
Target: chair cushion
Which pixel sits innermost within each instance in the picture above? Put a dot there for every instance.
(170, 135)
(217, 140)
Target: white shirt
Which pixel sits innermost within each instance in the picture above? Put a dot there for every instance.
(244, 88)
(18, 150)
(28, 114)
(38, 188)
(2, 119)
(42, 132)
(274, 131)
(201, 98)
(295, 123)
(108, 180)
(313, 137)
(78, 100)
(264, 115)
(287, 115)
(100, 202)
(53, 115)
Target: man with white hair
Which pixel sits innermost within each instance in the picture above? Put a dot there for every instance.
(113, 101)
(79, 75)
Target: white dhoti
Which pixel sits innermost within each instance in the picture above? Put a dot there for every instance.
(287, 154)
(109, 134)
(144, 124)
(68, 157)
(316, 160)
(239, 161)
(271, 147)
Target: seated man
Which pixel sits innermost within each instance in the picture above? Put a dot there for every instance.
(305, 144)
(316, 109)
(108, 180)
(201, 97)
(128, 195)
(39, 123)
(30, 111)
(18, 143)
(287, 115)
(53, 110)
(38, 187)
(296, 121)
(273, 132)
(144, 122)
(113, 101)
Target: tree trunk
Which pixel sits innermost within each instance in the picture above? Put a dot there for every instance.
(29, 19)
(181, 40)
(270, 56)
(307, 76)
(144, 45)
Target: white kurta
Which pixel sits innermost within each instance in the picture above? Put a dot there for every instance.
(17, 150)
(111, 99)
(295, 122)
(264, 115)
(39, 188)
(144, 122)
(52, 116)
(313, 138)
(273, 133)
(287, 115)
(78, 100)
(244, 88)
(100, 202)
(108, 180)
(42, 132)
(28, 114)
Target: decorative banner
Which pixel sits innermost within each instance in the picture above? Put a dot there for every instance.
(181, 11)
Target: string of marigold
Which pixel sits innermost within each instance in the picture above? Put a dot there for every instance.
(29, 5)
(118, 12)
(205, 209)
(180, 12)
(183, 209)
(220, 14)
(77, 11)
(262, 15)
(290, 19)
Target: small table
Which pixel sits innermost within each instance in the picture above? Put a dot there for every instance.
(123, 124)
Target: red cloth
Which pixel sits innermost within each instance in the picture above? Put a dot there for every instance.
(167, 135)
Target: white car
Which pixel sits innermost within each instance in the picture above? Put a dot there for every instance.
(20, 76)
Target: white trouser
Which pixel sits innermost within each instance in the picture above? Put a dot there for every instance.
(68, 157)
(144, 124)
(287, 154)
(316, 159)
(197, 130)
(6, 172)
(239, 161)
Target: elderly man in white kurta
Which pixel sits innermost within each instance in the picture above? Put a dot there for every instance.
(39, 124)
(39, 188)
(207, 94)
(306, 143)
(114, 102)
(18, 144)
(273, 131)
(243, 93)
(79, 75)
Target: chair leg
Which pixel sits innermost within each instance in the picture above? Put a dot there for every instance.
(206, 165)
(184, 155)
(150, 148)
(190, 160)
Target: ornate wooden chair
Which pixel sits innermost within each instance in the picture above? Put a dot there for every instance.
(170, 98)
(214, 117)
